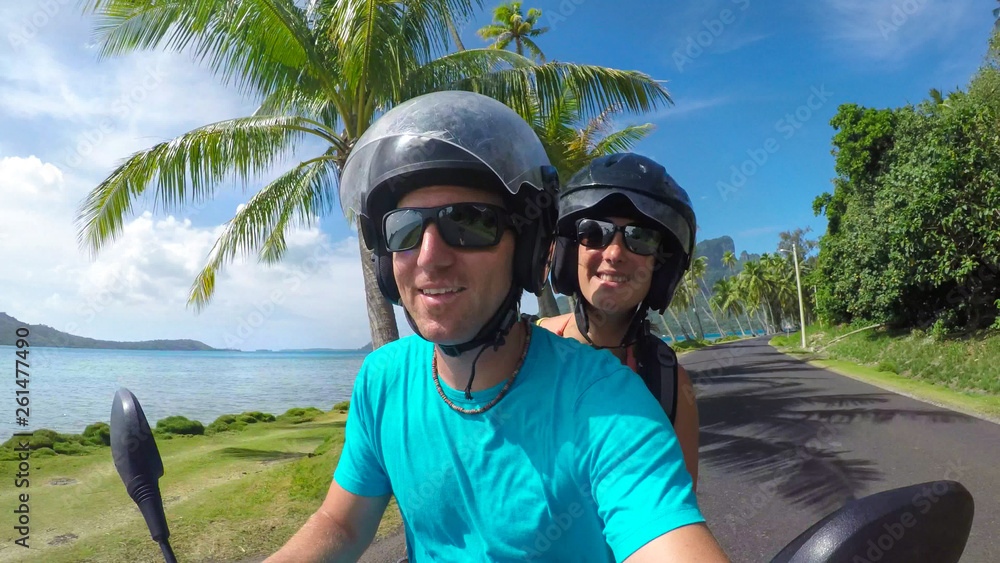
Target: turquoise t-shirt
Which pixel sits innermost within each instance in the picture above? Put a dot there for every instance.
(577, 462)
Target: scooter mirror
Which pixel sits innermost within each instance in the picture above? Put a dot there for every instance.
(926, 523)
(139, 465)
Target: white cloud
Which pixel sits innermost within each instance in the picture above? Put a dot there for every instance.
(889, 30)
(137, 287)
(684, 107)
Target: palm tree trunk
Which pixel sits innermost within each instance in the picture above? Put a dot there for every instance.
(739, 324)
(697, 318)
(520, 46)
(681, 326)
(687, 316)
(712, 312)
(746, 313)
(768, 318)
(666, 325)
(454, 32)
(547, 306)
(381, 318)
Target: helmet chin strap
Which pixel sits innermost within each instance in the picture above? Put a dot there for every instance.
(494, 332)
(632, 333)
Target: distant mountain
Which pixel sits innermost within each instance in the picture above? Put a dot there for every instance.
(41, 335)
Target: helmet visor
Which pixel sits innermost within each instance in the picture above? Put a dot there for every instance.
(456, 130)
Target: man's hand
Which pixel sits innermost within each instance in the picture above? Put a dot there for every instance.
(340, 530)
(691, 544)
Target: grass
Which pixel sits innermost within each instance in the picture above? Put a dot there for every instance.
(227, 496)
(960, 371)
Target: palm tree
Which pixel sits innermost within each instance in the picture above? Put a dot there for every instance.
(694, 273)
(572, 142)
(510, 25)
(754, 284)
(729, 260)
(666, 325)
(701, 270)
(725, 301)
(323, 72)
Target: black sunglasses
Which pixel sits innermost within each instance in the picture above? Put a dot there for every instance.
(462, 225)
(594, 233)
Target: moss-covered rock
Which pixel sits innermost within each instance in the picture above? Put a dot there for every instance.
(300, 415)
(179, 425)
(98, 433)
(259, 416)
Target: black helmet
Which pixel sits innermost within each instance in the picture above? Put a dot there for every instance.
(627, 185)
(464, 139)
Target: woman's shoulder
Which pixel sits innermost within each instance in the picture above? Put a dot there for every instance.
(554, 324)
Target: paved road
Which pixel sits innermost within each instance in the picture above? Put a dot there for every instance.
(784, 443)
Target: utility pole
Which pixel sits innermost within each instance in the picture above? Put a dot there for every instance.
(798, 283)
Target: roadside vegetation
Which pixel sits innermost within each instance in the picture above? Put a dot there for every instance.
(228, 496)
(959, 372)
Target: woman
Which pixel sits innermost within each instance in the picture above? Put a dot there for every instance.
(626, 233)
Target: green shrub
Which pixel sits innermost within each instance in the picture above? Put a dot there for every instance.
(258, 416)
(689, 345)
(300, 415)
(98, 433)
(225, 419)
(889, 366)
(342, 406)
(41, 438)
(179, 425)
(43, 452)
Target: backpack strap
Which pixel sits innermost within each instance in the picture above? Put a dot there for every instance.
(658, 365)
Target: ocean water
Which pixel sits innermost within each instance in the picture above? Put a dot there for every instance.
(70, 388)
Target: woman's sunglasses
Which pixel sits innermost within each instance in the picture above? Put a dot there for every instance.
(462, 225)
(594, 233)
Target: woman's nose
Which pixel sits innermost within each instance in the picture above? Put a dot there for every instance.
(613, 252)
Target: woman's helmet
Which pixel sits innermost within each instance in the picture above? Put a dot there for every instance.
(627, 185)
(464, 139)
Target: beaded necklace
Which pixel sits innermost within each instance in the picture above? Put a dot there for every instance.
(500, 395)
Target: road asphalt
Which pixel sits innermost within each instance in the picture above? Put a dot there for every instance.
(784, 443)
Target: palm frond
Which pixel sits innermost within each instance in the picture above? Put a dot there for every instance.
(623, 140)
(488, 32)
(187, 169)
(595, 87)
(295, 198)
(256, 44)
(533, 49)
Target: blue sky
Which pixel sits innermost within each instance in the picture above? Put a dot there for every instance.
(755, 86)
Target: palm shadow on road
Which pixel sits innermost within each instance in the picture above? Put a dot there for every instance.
(765, 419)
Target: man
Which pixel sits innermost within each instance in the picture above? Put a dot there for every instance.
(534, 459)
